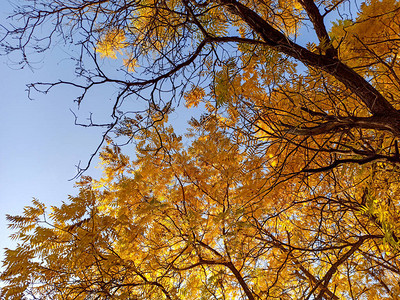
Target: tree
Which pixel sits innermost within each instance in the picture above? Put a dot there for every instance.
(289, 188)
(199, 222)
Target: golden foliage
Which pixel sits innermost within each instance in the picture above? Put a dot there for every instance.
(287, 187)
(111, 43)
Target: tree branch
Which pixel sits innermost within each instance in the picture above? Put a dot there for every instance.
(372, 99)
(318, 21)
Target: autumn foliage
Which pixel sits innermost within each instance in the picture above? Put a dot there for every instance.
(286, 187)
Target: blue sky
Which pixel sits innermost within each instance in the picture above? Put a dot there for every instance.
(40, 145)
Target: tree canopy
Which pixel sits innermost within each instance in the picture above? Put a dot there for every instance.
(287, 186)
